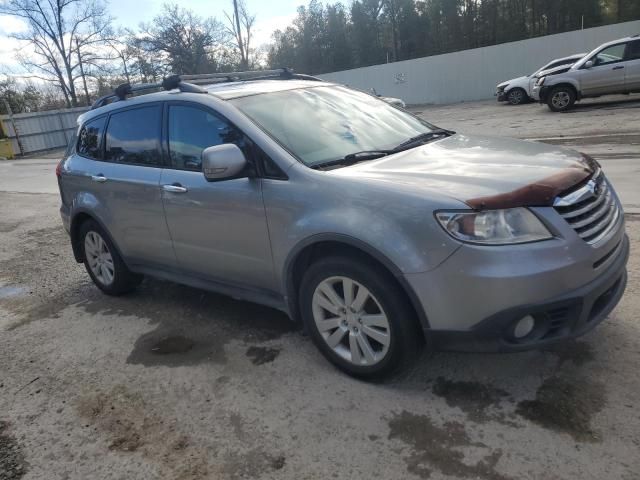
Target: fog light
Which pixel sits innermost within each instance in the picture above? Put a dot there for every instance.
(524, 327)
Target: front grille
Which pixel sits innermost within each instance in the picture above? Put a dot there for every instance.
(592, 210)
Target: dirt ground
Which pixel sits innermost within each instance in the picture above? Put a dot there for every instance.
(177, 383)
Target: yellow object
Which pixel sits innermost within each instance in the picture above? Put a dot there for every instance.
(5, 149)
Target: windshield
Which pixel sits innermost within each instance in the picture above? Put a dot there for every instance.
(322, 124)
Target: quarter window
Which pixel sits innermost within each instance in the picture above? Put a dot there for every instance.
(191, 130)
(90, 138)
(133, 136)
(612, 54)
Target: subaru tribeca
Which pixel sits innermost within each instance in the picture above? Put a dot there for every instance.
(377, 230)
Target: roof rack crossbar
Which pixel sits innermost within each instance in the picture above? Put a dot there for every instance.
(189, 83)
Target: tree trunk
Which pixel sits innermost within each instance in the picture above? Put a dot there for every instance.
(84, 79)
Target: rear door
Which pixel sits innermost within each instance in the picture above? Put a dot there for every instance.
(606, 76)
(219, 229)
(85, 169)
(133, 150)
(632, 67)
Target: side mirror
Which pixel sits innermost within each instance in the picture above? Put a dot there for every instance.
(589, 64)
(222, 162)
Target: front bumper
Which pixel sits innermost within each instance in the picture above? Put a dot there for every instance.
(542, 93)
(501, 95)
(473, 300)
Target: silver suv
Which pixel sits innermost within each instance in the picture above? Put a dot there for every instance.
(612, 68)
(375, 229)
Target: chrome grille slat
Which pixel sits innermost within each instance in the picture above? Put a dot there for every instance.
(595, 215)
(598, 227)
(592, 215)
(585, 209)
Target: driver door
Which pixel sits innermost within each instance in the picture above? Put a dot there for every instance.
(219, 229)
(606, 76)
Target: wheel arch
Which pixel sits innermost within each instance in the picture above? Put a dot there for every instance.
(565, 84)
(321, 245)
(78, 219)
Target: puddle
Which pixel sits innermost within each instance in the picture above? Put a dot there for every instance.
(473, 398)
(174, 349)
(566, 405)
(572, 351)
(262, 355)
(169, 345)
(439, 448)
(11, 291)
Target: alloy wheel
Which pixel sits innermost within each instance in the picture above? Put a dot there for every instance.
(99, 258)
(561, 100)
(351, 321)
(515, 97)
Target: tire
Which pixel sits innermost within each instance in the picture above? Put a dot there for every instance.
(517, 96)
(370, 358)
(103, 262)
(561, 99)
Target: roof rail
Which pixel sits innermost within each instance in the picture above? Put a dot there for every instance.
(189, 83)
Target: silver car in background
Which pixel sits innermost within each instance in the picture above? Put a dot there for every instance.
(612, 68)
(378, 231)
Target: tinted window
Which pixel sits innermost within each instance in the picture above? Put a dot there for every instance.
(133, 136)
(191, 130)
(612, 54)
(633, 50)
(90, 138)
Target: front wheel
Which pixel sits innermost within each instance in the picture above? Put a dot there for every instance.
(517, 96)
(561, 99)
(103, 263)
(358, 317)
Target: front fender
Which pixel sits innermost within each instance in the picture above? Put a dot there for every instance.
(394, 226)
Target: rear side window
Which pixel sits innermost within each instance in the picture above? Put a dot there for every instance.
(90, 138)
(633, 50)
(133, 136)
(191, 130)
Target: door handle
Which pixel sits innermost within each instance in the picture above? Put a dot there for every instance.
(174, 188)
(619, 67)
(100, 178)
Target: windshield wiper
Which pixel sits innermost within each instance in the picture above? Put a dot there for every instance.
(353, 158)
(423, 138)
(364, 155)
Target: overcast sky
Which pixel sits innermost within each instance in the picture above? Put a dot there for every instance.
(270, 15)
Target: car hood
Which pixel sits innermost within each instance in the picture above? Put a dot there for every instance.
(554, 71)
(520, 80)
(483, 172)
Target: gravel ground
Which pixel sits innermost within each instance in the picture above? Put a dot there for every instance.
(173, 382)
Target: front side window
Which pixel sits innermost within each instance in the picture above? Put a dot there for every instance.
(90, 138)
(322, 124)
(191, 130)
(133, 136)
(612, 54)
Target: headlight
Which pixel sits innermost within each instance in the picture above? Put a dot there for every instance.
(540, 81)
(494, 227)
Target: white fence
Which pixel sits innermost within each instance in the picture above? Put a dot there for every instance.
(473, 74)
(38, 131)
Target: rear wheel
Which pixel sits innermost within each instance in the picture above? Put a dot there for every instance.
(103, 263)
(561, 99)
(517, 96)
(358, 317)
